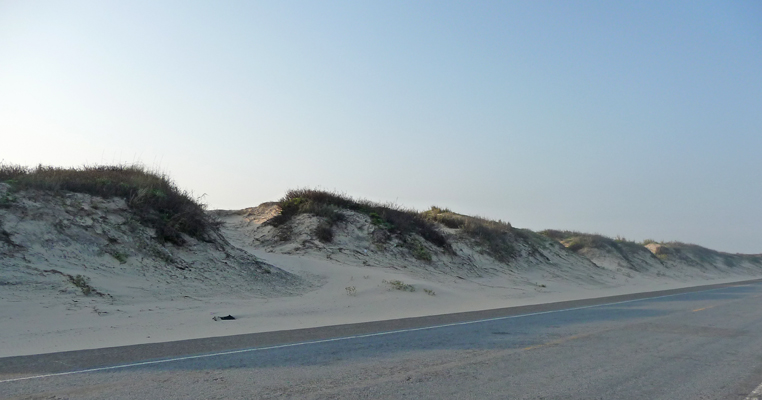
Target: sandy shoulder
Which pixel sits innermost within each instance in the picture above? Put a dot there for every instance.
(62, 321)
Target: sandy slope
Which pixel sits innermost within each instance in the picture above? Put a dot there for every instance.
(146, 292)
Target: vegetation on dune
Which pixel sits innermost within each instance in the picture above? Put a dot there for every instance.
(328, 205)
(158, 203)
(83, 283)
(691, 252)
(154, 198)
(399, 285)
(664, 251)
(576, 241)
(495, 236)
(498, 238)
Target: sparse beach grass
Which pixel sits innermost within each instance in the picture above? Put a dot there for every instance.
(399, 285)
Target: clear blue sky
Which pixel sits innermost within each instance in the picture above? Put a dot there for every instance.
(640, 119)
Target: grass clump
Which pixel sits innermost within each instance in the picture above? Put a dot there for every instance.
(328, 205)
(399, 285)
(495, 236)
(154, 198)
(83, 283)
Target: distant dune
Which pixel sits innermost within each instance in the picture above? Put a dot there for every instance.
(439, 240)
(106, 256)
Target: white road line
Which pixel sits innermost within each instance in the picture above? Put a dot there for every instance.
(224, 353)
(756, 394)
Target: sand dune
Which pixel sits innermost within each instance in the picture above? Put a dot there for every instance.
(80, 271)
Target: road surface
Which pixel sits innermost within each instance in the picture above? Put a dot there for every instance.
(700, 343)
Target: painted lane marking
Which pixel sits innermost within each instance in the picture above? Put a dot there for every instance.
(343, 338)
(756, 394)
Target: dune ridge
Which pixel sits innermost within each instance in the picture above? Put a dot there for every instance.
(98, 256)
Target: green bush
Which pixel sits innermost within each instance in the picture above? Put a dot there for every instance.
(418, 250)
(376, 220)
(155, 199)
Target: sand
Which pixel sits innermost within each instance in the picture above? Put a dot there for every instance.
(60, 322)
(266, 285)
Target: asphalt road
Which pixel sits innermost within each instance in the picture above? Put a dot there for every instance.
(701, 343)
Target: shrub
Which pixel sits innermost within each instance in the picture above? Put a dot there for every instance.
(376, 220)
(418, 250)
(324, 232)
(155, 199)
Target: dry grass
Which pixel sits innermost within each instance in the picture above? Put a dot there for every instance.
(691, 252)
(155, 199)
(328, 205)
(576, 241)
(83, 283)
(495, 236)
